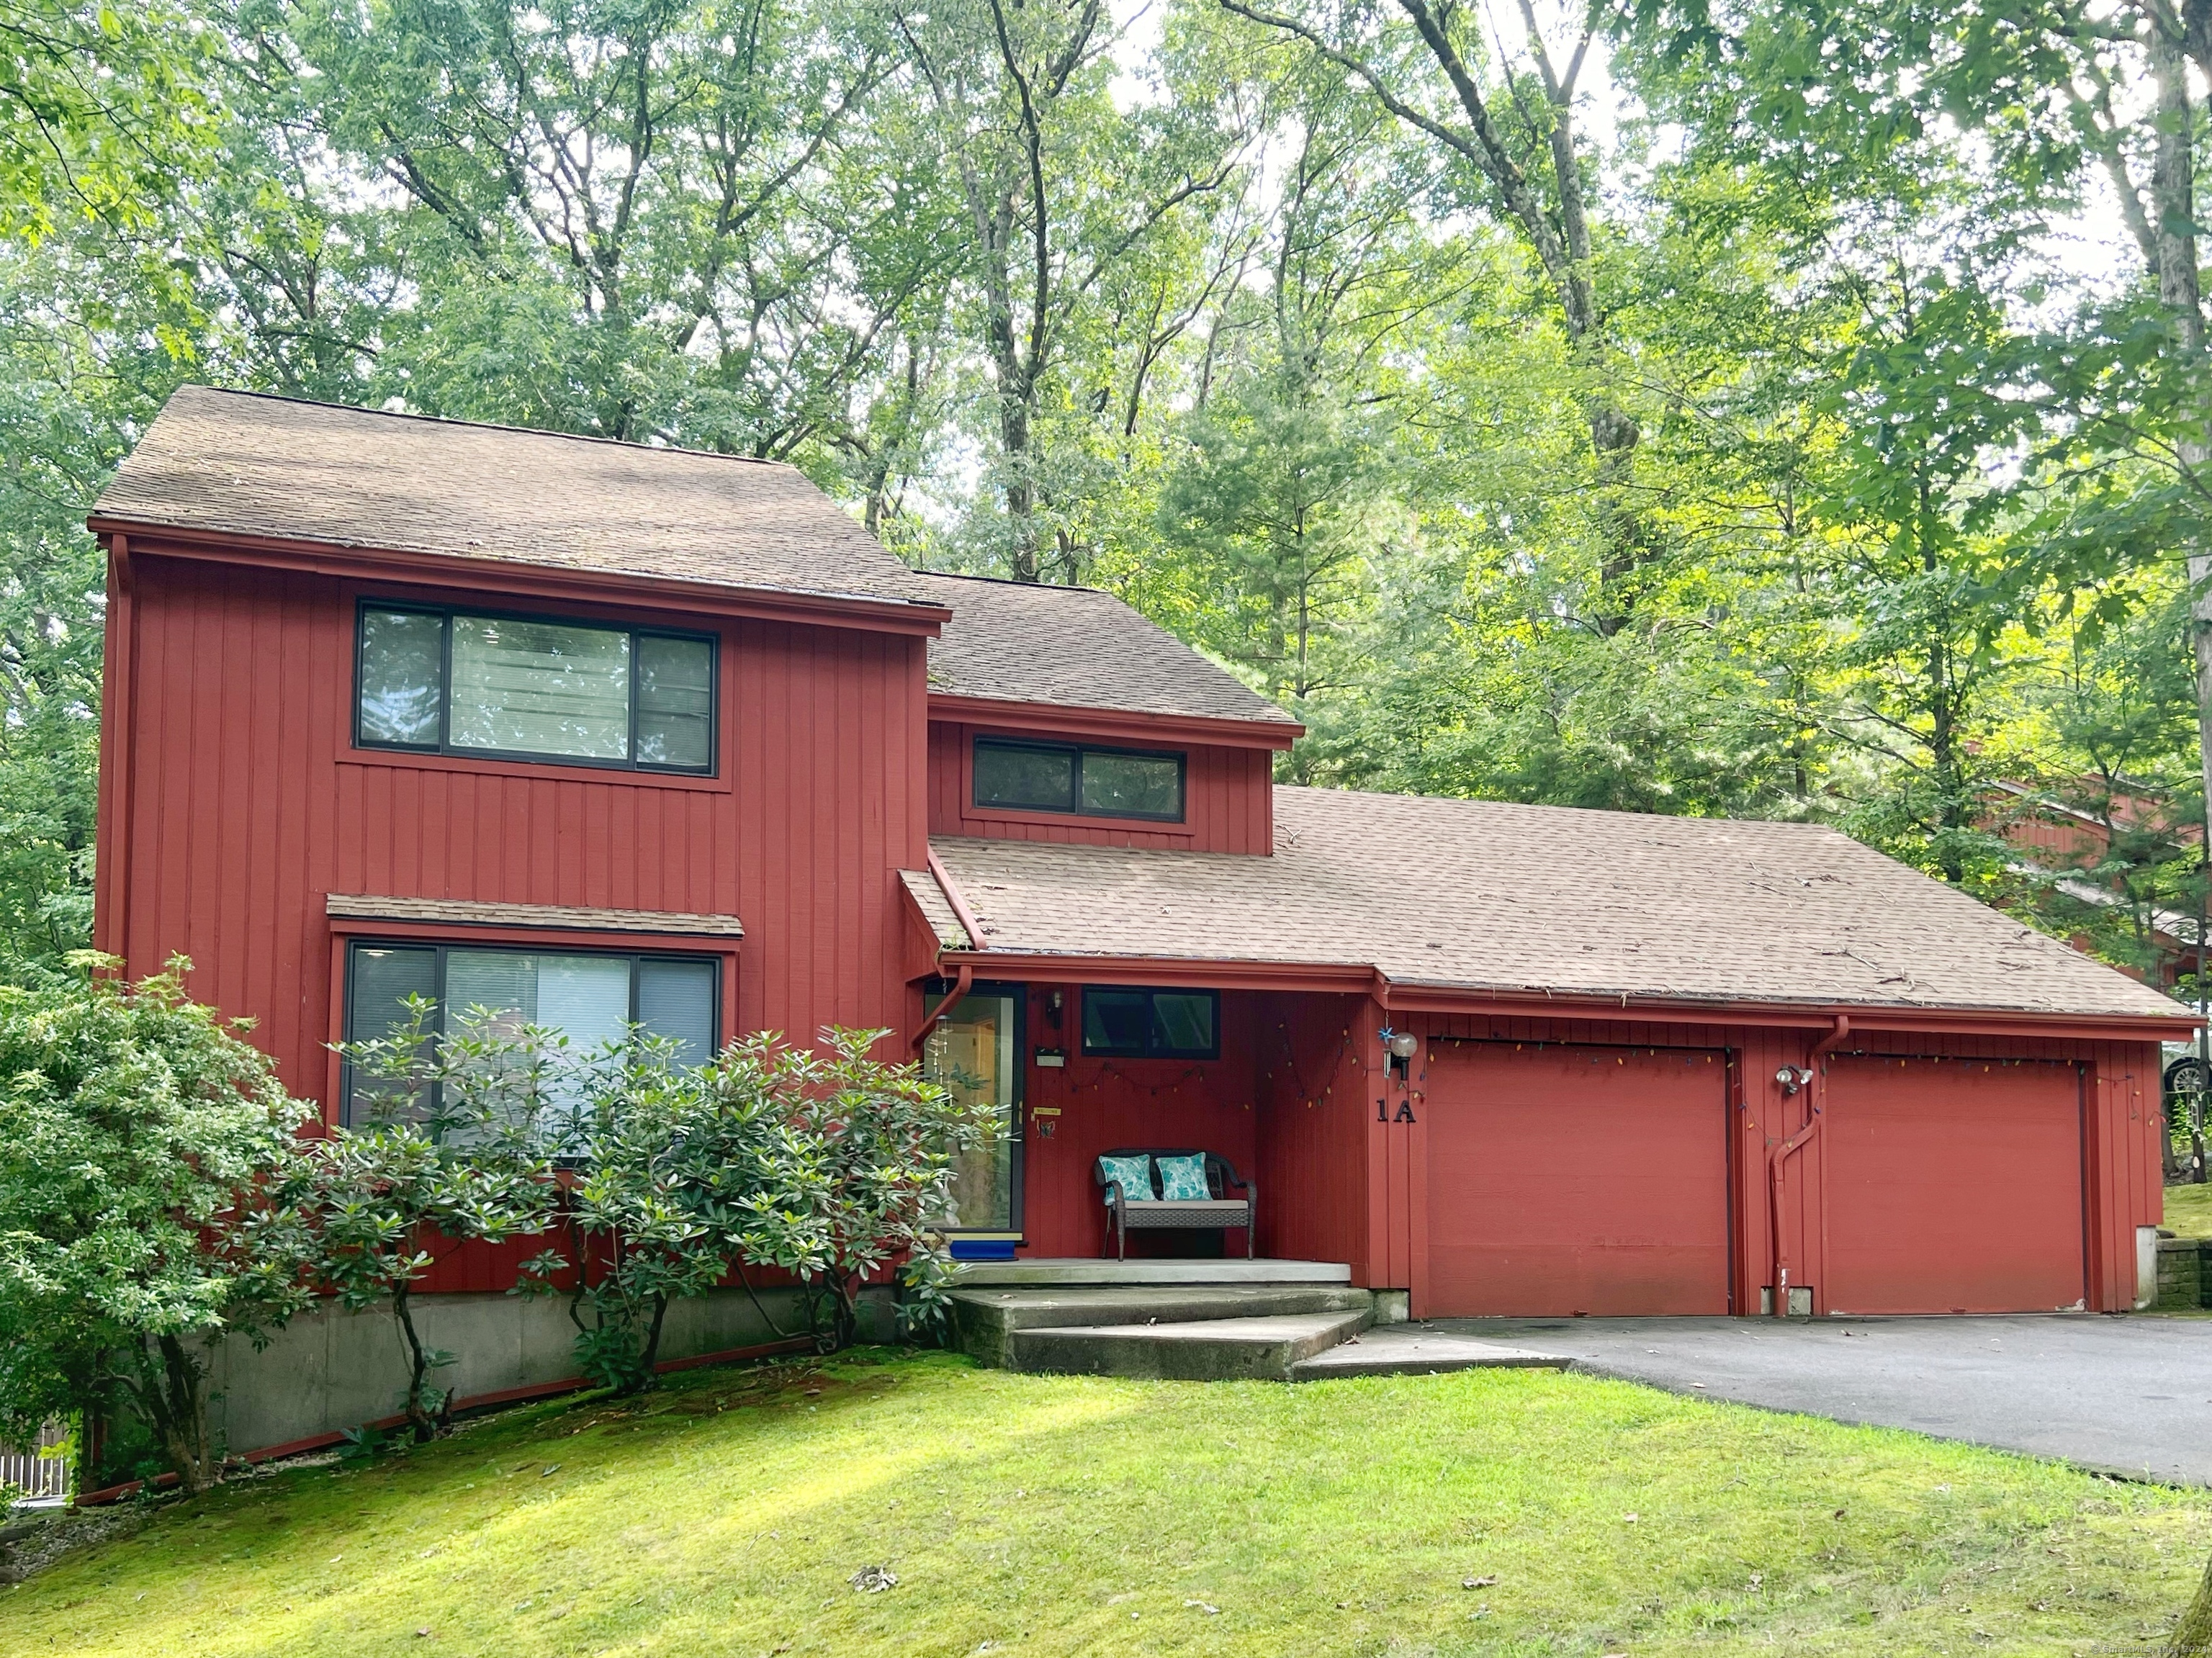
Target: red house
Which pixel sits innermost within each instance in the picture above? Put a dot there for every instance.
(610, 732)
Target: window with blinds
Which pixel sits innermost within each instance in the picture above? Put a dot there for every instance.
(454, 682)
(590, 998)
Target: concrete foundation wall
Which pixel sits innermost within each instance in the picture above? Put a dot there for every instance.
(337, 1370)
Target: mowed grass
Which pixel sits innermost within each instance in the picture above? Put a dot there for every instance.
(2189, 1211)
(1048, 1515)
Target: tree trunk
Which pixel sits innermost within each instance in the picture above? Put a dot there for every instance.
(648, 1377)
(2192, 1635)
(1614, 437)
(176, 1410)
(420, 1419)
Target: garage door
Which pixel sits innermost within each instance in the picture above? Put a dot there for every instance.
(1953, 1187)
(1577, 1180)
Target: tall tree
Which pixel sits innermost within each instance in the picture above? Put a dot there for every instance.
(1065, 202)
(1513, 126)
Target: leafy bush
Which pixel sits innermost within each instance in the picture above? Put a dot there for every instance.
(661, 1181)
(141, 1144)
(455, 1150)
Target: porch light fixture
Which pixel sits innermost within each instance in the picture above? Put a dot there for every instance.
(1793, 1077)
(1402, 1044)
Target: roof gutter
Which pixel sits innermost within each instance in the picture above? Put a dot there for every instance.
(961, 981)
(953, 896)
(1816, 1084)
(574, 582)
(1127, 725)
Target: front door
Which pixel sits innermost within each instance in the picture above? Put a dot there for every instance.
(975, 1051)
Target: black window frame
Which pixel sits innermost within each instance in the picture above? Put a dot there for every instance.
(1151, 1024)
(355, 946)
(444, 745)
(1078, 750)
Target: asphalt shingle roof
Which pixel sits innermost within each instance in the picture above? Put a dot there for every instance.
(1075, 647)
(1510, 899)
(243, 464)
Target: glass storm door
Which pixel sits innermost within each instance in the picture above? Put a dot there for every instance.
(972, 1052)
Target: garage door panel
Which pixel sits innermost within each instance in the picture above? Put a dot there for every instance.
(1952, 1185)
(1566, 1180)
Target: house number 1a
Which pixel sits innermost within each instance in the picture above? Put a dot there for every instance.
(1383, 1111)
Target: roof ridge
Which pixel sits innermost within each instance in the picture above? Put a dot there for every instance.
(1040, 586)
(1546, 805)
(481, 425)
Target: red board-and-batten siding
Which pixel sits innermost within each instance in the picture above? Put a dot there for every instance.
(1229, 792)
(235, 802)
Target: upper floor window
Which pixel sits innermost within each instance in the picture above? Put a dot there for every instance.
(1089, 782)
(457, 682)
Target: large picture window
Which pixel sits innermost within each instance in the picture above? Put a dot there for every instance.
(589, 998)
(456, 682)
(1152, 1024)
(1087, 782)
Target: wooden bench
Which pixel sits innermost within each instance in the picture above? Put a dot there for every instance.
(1147, 1210)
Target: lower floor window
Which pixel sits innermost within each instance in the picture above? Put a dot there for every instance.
(588, 997)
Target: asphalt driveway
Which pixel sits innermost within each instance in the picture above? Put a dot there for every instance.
(2129, 1395)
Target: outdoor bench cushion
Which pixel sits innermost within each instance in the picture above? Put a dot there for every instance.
(1183, 1179)
(1135, 1175)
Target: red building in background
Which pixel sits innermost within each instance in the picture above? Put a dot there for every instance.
(608, 733)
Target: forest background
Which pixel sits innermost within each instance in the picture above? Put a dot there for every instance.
(1768, 407)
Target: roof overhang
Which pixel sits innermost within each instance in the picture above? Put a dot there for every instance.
(1116, 723)
(131, 538)
(1352, 979)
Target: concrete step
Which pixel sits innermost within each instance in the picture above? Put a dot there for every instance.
(1406, 1350)
(984, 1321)
(1044, 1271)
(1254, 1349)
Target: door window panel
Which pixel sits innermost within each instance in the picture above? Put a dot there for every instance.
(971, 1053)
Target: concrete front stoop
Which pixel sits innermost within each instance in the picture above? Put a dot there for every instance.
(1210, 1333)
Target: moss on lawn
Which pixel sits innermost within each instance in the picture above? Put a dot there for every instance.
(1063, 1516)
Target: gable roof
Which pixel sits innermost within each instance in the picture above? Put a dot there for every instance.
(1013, 641)
(245, 463)
(1486, 897)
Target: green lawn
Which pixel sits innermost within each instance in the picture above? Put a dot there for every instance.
(1073, 1515)
(2189, 1211)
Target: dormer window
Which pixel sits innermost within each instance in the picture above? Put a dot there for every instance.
(1015, 774)
(460, 682)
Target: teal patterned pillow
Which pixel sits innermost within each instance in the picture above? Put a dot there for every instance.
(1135, 1175)
(1182, 1180)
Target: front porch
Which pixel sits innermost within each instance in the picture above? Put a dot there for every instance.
(1272, 1083)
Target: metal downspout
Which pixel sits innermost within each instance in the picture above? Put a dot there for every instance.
(964, 977)
(1777, 1159)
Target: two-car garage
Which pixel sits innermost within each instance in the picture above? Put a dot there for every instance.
(1567, 1179)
